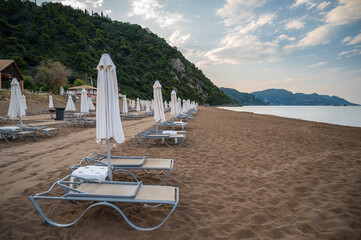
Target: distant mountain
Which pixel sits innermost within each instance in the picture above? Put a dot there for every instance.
(241, 97)
(284, 97)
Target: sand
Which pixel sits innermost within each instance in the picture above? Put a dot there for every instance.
(240, 175)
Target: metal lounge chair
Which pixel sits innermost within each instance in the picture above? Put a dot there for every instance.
(170, 138)
(9, 133)
(43, 129)
(172, 125)
(108, 193)
(127, 163)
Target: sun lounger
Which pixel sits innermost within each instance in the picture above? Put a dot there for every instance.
(9, 133)
(41, 129)
(48, 130)
(79, 122)
(149, 137)
(127, 163)
(4, 119)
(172, 125)
(108, 193)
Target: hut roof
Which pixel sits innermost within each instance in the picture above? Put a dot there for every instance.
(8, 68)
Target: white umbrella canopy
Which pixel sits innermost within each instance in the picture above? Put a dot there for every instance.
(138, 105)
(173, 104)
(147, 107)
(125, 105)
(184, 106)
(23, 101)
(179, 106)
(90, 104)
(16, 108)
(108, 123)
(70, 105)
(51, 104)
(84, 105)
(158, 103)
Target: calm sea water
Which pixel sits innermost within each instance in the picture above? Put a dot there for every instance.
(346, 116)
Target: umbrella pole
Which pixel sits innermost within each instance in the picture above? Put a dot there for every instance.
(21, 123)
(109, 164)
(156, 127)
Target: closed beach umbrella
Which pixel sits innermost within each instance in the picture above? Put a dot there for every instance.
(16, 108)
(84, 106)
(90, 104)
(125, 105)
(158, 103)
(23, 101)
(184, 106)
(173, 104)
(51, 104)
(147, 107)
(138, 105)
(70, 105)
(179, 106)
(108, 123)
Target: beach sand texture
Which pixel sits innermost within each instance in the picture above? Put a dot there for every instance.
(240, 175)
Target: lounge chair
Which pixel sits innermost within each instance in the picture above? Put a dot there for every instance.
(172, 125)
(43, 129)
(170, 138)
(9, 133)
(108, 193)
(126, 163)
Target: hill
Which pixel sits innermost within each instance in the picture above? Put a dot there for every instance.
(30, 34)
(284, 97)
(241, 97)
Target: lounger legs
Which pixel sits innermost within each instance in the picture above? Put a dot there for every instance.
(47, 220)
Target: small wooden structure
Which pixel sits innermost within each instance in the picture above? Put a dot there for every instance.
(9, 70)
(92, 91)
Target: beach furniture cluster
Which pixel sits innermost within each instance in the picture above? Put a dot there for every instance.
(91, 181)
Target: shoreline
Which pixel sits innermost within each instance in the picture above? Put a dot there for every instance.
(240, 175)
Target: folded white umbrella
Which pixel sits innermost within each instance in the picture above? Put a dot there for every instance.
(90, 104)
(158, 103)
(125, 105)
(70, 104)
(51, 104)
(108, 123)
(16, 108)
(138, 105)
(184, 106)
(173, 104)
(23, 101)
(84, 105)
(147, 107)
(179, 106)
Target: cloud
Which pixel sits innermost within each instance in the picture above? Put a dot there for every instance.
(308, 3)
(82, 4)
(316, 65)
(348, 54)
(347, 12)
(107, 12)
(285, 37)
(237, 11)
(178, 39)
(294, 24)
(253, 25)
(323, 5)
(152, 10)
(203, 64)
(237, 48)
(352, 40)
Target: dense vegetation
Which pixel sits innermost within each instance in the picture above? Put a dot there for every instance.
(241, 97)
(284, 97)
(31, 34)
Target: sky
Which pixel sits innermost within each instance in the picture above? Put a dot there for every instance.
(309, 46)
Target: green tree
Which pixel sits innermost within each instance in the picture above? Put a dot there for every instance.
(78, 82)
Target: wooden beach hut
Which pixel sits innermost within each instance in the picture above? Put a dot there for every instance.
(8, 71)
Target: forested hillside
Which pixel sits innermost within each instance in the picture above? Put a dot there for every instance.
(241, 97)
(31, 34)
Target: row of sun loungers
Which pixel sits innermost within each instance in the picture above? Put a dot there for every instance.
(79, 122)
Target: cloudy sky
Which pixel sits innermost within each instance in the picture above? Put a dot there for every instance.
(300, 45)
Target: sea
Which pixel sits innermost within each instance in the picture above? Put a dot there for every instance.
(339, 115)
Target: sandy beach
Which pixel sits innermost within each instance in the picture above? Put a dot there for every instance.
(240, 175)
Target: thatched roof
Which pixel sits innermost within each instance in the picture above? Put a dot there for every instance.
(9, 69)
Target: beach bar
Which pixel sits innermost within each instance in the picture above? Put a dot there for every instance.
(8, 71)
